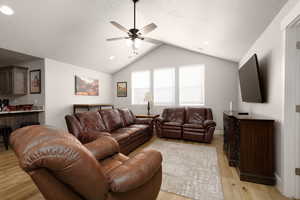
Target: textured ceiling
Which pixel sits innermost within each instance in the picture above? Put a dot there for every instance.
(75, 31)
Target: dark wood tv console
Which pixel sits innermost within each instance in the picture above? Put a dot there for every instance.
(249, 146)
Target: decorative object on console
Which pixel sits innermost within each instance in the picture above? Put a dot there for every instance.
(35, 81)
(121, 89)
(86, 86)
(148, 98)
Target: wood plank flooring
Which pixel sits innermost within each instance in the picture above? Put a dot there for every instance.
(17, 185)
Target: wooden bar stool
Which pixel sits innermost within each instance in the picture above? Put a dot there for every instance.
(5, 131)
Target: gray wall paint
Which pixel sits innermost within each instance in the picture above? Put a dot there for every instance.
(220, 78)
(60, 90)
(270, 50)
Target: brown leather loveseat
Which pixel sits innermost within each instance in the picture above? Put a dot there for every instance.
(188, 123)
(121, 124)
(64, 169)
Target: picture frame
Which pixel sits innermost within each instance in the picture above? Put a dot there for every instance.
(121, 89)
(35, 81)
(85, 86)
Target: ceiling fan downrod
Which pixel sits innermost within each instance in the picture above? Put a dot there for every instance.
(134, 17)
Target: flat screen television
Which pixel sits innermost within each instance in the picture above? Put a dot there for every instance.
(250, 81)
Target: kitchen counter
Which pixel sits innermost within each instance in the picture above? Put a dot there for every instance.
(21, 111)
(15, 119)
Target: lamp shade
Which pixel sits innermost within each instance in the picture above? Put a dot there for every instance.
(148, 97)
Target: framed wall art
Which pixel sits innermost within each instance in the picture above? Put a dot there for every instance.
(86, 86)
(121, 89)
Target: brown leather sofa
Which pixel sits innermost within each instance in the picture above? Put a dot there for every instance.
(64, 169)
(121, 124)
(187, 123)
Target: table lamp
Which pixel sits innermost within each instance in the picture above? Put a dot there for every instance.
(148, 98)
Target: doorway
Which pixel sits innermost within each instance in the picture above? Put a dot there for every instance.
(292, 107)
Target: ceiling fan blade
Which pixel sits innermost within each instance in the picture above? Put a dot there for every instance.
(118, 38)
(147, 29)
(120, 27)
(151, 40)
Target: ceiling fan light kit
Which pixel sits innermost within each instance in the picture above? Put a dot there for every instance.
(134, 35)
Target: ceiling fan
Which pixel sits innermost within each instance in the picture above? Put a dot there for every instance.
(134, 35)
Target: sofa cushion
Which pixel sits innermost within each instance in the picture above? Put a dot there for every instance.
(87, 137)
(112, 119)
(174, 115)
(141, 126)
(194, 126)
(195, 115)
(112, 162)
(91, 121)
(121, 137)
(127, 116)
(173, 124)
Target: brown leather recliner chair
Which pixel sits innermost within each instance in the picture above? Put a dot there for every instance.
(199, 125)
(170, 123)
(188, 123)
(64, 169)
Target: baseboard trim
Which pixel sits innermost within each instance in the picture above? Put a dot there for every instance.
(279, 184)
(219, 132)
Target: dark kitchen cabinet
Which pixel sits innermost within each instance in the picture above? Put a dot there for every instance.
(13, 80)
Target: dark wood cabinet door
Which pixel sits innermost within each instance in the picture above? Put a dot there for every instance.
(5, 82)
(13, 80)
(20, 83)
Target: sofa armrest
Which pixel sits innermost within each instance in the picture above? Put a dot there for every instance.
(135, 172)
(209, 123)
(90, 136)
(103, 147)
(160, 120)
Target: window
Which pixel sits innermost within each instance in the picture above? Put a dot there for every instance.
(164, 86)
(140, 82)
(191, 85)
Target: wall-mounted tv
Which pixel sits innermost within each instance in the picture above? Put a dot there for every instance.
(250, 81)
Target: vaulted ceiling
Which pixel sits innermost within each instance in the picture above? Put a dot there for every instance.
(75, 31)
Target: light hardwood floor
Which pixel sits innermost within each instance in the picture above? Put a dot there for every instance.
(17, 185)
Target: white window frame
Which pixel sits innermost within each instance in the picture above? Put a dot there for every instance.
(175, 88)
(132, 88)
(203, 86)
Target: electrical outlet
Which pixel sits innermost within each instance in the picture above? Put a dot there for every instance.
(297, 171)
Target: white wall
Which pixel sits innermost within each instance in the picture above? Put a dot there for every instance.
(270, 50)
(60, 90)
(220, 78)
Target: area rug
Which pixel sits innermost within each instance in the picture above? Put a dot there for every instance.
(189, 170)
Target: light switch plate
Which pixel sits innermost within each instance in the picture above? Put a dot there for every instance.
(297, 171)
